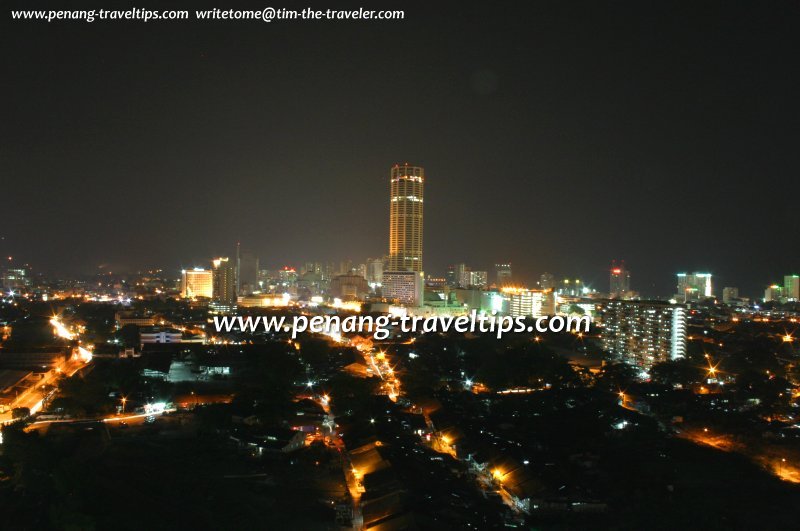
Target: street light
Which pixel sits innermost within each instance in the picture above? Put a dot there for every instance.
(123, 404)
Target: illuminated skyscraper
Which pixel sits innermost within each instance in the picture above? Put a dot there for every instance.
(791, 288)
(643, 333)
(526, 302)
(694, 286)
(224, 292)
(773, 293)
(405, 218)
(196, 282)
(619, 282)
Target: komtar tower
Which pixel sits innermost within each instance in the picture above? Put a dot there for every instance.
(405, 218)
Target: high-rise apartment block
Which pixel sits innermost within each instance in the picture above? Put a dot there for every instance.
(224, 285)
(643, 333)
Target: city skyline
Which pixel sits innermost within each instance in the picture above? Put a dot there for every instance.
(577, 306)
(530, 168)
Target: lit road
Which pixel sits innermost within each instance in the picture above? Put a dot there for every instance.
(34, 396)
(130, 419)
(781, 465)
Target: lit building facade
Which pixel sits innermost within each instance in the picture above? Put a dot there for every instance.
(791, 288)
(773, 293)
(287, 277)
(274, 300)
(404, 287)
(528, 302)
(478, 279)
(196, 282)
(695, 286)
(461, 272)
(224, 285)
(15, 279)
(406, 218)
(156, 334)
(643, 333)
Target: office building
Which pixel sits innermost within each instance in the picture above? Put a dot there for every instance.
(158, 334)
(619, 282)
(478, 279)
(791, 288)
(374, 271)
(547, 281)
(15, 279)
(223, 297)
(773, 293)
(695, 286)
(525, 302)
(502, 275)
(403, 287)
(196, 283)
(570, 288)
(287, 277)
(730, 295)
(461, 273)
(450, 276)
(406, 218)
(643, 333)
(247, 272)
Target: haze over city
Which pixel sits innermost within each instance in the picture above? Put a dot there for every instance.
(399, 266)
(556, 137)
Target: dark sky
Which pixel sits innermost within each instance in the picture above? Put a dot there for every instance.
(555, 135)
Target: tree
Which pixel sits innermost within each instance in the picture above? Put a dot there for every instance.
(680, 371)
(616, 377)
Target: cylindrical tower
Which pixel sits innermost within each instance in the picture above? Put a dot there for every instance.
(405, 218)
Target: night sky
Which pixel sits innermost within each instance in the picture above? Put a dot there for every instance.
(555, 135)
